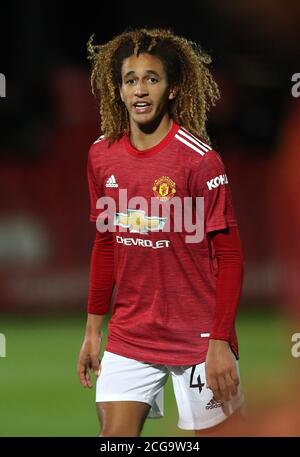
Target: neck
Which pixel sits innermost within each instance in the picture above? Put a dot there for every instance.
(145, 137)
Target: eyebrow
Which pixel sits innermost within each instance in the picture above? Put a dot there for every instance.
(131, 73)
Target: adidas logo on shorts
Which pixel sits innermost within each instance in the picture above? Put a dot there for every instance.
(111, 182)
(213, 404)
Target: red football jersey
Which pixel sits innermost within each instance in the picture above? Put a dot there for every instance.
(163, 308)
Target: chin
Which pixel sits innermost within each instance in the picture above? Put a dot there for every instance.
(144, 120)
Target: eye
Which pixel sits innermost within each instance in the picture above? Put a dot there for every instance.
(129, 82)
(152, 79)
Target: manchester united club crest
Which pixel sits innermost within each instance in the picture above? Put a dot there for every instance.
(164, 188)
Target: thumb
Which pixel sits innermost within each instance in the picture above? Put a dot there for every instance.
(95, 364)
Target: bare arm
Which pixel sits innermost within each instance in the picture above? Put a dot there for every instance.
(88, 356)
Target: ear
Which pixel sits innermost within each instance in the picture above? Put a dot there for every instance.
(173, 93)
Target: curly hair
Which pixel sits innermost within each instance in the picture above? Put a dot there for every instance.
(186, 65)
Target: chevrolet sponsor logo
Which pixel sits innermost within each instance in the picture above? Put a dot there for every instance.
(144, 243)
(137, 222)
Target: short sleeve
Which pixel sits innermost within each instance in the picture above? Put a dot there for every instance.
(95, 190)
(211, 182)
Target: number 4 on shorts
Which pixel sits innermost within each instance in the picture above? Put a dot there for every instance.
(199, 383)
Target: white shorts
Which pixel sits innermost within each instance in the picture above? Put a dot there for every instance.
(124, 379)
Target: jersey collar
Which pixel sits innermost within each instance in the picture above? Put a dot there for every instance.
(155, 149)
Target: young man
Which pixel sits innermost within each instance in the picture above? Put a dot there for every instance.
(175, 298)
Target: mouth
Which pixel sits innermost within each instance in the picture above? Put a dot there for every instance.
(142, 107)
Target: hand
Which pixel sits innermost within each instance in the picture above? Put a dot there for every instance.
(221, 372)
(88, 359)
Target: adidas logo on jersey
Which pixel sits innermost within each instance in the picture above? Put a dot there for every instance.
(213, 404)
(111, 182)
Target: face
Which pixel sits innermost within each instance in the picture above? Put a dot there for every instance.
(145, 89)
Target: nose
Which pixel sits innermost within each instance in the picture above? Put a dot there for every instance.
(140, 89)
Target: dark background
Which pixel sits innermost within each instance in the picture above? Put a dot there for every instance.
(49, 119)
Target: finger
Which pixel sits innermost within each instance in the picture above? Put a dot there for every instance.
(235, 380)
(231, 385)
(211, 382)
(84, 375)
(88, 379)
(95, 365)
(214, 387)
(223, 388)
(234, 376)
(217, 395)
